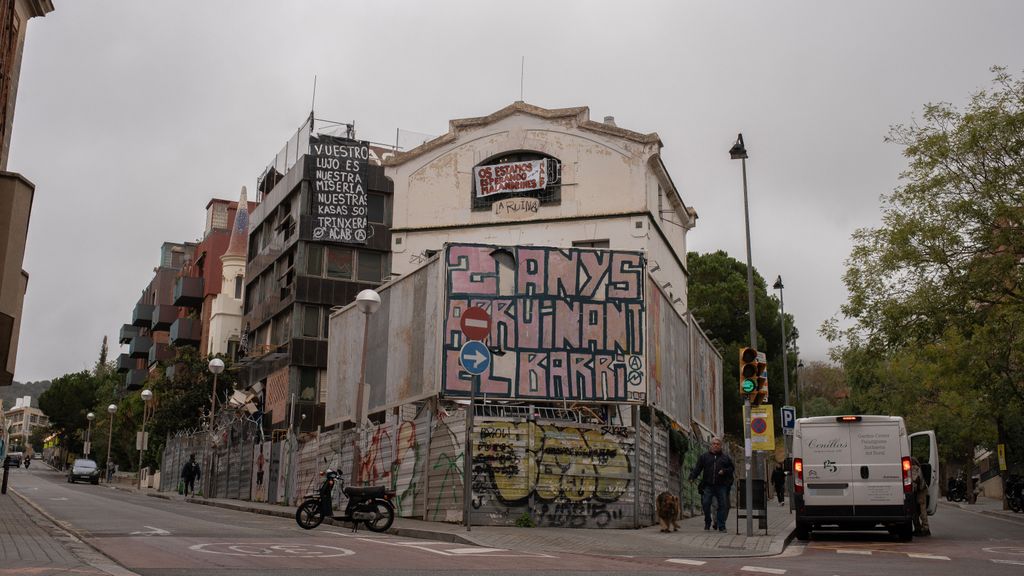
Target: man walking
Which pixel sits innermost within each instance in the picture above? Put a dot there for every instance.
(191, 472)
(779, 481)
(716, 470)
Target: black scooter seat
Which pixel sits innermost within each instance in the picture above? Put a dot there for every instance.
(366, 492)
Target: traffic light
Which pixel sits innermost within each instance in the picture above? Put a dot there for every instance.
(748, 373)
(762, 381)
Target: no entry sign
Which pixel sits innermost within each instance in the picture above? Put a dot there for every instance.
(476, 323)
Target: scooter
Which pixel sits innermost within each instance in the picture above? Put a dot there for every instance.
(370, 505)
(28, 460)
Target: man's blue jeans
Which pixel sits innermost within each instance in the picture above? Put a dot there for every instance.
(721, 493)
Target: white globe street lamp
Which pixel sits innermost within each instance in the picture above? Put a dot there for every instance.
(110, 435)
(368, 301)
(88, 433)
(147, 395)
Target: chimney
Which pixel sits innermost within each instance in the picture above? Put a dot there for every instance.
(610, 120)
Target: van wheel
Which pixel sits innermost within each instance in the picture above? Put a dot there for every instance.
(803, 532)
(905, 532)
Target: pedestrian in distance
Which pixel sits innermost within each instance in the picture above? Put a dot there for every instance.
(779, 481)
(715, 471)
(191, 472)
(110, 471)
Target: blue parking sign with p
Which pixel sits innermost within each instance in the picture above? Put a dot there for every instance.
(788, 417)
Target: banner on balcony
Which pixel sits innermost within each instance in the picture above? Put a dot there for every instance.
(339, 206)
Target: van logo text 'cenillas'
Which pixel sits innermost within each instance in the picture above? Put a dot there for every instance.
(833, 443)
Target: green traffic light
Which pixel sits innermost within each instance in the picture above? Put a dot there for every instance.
(749, 386)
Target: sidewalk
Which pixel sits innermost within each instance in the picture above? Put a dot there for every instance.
(690, 541)
(988, 506)
(31, 544)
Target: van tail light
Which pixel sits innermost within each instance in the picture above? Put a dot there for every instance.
(798, 475)
(908, 484)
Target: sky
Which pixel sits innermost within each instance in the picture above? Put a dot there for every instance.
(132, 115)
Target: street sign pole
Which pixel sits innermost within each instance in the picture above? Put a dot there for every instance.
(467, 460)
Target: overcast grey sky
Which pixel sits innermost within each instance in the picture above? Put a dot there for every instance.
(132, 115)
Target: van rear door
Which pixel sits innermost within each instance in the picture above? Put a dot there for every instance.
(827, 465)
(926, 450)
(877, 475)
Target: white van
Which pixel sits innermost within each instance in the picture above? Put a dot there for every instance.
(854, 473)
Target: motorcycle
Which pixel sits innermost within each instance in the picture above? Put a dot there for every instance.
(1015, 493)
(28, 460)
(956, 490)
(370, 505)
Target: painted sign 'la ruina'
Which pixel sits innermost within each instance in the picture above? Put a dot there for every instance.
(571, 322)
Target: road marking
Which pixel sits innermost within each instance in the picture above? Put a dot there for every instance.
(153, 531)
(264, 550)
(763, 570)
(927, 556)
(59, 499)
(1005, 550)
(687, 562)
(849, 551)
(1014, 562)
(475, 550)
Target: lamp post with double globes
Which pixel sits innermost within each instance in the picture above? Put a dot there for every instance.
(111, 410)
(368, 301)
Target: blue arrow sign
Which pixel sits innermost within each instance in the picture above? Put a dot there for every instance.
(475, 357)
(788, 417)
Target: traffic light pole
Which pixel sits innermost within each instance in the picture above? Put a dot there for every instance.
(747, 452)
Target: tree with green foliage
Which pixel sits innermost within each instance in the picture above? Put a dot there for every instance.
(937, 291)
(717, 298)
(182, 401)
(66, 402)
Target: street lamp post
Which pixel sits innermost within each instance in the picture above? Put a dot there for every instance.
(110, 435)
(785, 377)
(147, 395)
(739, 152)
(368, 301)
(88, 433)
(800, 386)
(216, 366)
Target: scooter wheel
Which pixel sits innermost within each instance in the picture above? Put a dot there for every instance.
(309, 516)
(385, 518)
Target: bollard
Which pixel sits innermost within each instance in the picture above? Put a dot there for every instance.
(7, 465)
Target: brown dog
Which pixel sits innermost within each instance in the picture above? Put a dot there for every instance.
(668, 511)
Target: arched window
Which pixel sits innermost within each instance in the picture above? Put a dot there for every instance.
(521, 173)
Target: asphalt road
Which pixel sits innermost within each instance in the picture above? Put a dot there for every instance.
(152, 536)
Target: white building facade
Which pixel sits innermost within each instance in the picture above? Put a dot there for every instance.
(603, 187)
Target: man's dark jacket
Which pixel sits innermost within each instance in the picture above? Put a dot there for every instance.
(190, 471)
(708, 466)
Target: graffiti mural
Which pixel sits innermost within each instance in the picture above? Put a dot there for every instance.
(571, 322)
(569, 476)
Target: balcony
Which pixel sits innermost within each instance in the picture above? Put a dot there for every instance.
(127, 333)
(125, 363)
(139, 348)
(159, 353)
(163, 317)
(136, 378)
(188, 292)
(186, 332)
(142, 316)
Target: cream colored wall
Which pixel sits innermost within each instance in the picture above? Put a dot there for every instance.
(600, 174)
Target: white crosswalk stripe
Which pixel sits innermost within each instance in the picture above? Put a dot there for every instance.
(853, 551)
(761, 570)
(1014, 562)
(686, 561)
(927, 556)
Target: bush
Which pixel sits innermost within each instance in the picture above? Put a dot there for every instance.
(525, 521)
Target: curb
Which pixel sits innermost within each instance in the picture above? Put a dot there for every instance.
(106, 564)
